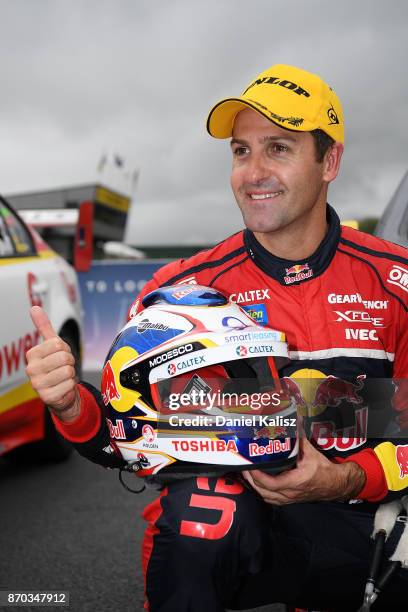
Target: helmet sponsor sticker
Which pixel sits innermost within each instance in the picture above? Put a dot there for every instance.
(148, 433)
(214, 355)
(243, 351)
(234, 323)
(108, 385)
(158, 320)
(254, 336)
(274, 446)
(183, 365)
(116, 431)
(202, 446)
(178, 295)
(145, 324)
(172, 354)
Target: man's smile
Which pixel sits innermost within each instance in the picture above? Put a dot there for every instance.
(264, 196)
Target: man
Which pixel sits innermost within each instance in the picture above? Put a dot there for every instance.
(336, 294)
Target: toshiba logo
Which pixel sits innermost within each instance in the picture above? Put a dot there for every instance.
(398, 276)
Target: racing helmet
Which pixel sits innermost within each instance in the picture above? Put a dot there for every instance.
(191, 385)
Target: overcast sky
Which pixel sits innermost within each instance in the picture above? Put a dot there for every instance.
(138, 77)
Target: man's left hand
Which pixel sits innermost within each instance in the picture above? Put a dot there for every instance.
(315, 478)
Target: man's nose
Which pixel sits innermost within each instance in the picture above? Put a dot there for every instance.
(258, 169)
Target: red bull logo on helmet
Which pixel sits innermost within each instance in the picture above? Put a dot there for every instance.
(270, 432)
(401, 456)
(274, 446)
(108, 385)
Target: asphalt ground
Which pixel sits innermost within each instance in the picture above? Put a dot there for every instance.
(73, 527)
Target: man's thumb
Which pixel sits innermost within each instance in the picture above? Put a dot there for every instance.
(41, 321)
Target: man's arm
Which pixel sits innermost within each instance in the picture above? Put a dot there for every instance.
(76, 408)
(51, 369)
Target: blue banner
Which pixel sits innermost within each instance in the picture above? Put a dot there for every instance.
(107, 291)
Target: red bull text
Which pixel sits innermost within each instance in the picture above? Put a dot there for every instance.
(297, 273)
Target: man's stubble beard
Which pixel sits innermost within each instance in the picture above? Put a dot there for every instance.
(264, 218)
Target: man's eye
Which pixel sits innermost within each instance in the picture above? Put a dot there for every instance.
(239, 151)
(279, 148)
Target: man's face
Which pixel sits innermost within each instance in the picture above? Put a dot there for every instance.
(275, 177)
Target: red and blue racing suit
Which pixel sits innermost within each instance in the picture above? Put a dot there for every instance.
(212, 543)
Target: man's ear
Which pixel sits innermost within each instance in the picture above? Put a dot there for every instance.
(331, 161)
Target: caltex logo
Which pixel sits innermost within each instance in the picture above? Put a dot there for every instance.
(241, 351)
(171, 368)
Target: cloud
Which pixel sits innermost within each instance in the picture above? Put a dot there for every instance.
(139, 78)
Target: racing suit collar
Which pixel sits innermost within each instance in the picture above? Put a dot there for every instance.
(288, 272)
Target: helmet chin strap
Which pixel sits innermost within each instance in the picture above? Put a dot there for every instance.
(132, 467)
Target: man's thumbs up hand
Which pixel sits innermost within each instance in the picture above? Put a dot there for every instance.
(40, 319)
(51, 369)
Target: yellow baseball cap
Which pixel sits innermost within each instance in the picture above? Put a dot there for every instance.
(288, 96)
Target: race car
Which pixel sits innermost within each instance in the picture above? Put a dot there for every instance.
(31, 273)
